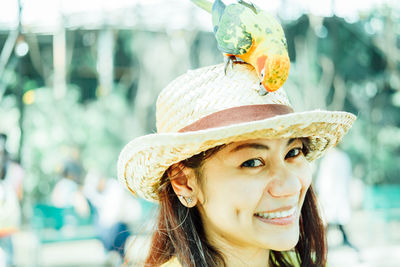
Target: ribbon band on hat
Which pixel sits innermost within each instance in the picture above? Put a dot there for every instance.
(237, 115)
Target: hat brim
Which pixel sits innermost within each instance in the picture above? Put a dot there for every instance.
(144, 160)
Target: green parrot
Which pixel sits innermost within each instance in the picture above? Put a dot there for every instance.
(245, 32)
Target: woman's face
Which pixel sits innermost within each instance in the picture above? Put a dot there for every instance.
(251, 193)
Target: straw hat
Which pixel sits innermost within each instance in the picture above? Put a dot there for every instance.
(205, 108)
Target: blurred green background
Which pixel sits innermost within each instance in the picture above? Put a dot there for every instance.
(80, 79)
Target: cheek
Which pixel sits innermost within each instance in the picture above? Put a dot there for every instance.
(231, 197)
(306, 175)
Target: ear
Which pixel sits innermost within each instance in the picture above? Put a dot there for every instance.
(184, 184)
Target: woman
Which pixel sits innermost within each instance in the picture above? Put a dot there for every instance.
(230, 169)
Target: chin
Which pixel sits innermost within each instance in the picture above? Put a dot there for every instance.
(284, 243)
(284, 247)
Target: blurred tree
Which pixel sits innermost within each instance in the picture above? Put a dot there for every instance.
(96, 131)
(335, 64)
(342, 64)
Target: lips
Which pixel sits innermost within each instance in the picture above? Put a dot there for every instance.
(283, 216)
(277, 214)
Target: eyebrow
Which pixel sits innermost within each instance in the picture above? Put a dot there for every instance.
(258, 145)
(291, 140)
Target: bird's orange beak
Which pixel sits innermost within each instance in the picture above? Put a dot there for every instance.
(261, 63)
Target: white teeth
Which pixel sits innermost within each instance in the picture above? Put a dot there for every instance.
(278, 214)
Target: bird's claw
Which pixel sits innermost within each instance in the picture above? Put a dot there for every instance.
(229, 60)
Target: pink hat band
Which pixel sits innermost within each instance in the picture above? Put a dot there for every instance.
(237, 115)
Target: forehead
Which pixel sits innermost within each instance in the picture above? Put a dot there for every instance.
(260, 143)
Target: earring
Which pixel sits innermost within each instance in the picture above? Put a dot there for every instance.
(187, 200)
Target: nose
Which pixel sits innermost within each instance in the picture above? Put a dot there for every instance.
(285, 183)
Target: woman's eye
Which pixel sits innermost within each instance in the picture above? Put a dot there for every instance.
(293, 153)
(251, 163)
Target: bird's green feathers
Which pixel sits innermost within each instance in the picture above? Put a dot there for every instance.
(246, 32)
(238, 26)
(218, 9)
(231, 32)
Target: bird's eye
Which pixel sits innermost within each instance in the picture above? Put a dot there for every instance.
(293, 153)
(252, 163)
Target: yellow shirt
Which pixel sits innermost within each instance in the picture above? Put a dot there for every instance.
(173, 262)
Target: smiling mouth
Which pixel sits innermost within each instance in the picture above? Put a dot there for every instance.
(284, 217)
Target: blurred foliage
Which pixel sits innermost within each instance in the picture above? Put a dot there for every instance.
(355, 67)
(60, 130)
(336, 65)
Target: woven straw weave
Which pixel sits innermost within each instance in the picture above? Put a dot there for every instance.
(204, 91)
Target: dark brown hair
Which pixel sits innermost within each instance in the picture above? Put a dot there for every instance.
(180, 231)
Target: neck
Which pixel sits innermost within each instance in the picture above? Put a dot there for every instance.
(241, 255)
